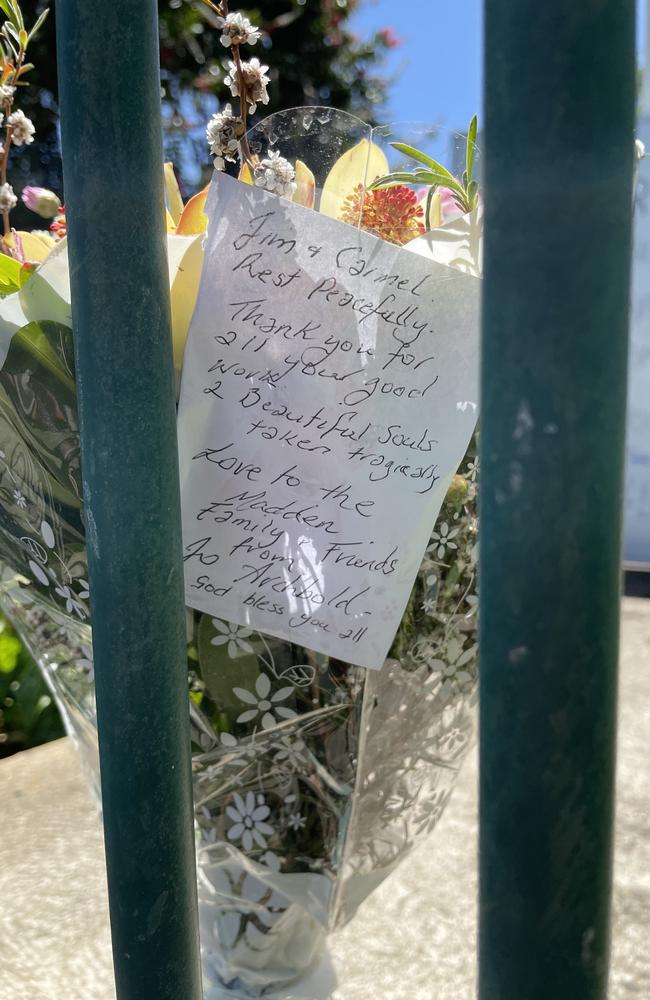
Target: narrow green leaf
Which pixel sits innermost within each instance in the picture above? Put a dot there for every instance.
(472, 192)
(441, 180)
(395, 178)
(415, 154)
(18, 14)
(4, 4)
(39, 23)
(471, 145)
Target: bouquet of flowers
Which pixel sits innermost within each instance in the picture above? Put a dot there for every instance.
(312, 778)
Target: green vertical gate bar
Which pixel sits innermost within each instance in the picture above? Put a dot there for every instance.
(112, 149)
(559, 84)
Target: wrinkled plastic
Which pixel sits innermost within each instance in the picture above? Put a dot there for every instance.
(312, 779)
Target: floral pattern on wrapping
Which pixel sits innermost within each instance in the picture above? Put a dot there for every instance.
(303, 766)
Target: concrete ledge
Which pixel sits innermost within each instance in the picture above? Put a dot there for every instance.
(415, 939)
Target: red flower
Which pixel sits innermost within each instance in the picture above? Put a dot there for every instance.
(59, 227)
(392, 213)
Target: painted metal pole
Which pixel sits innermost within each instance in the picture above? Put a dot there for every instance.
(112, 150)
(558, 156)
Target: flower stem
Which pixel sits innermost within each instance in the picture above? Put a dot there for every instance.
(4, 160)
(222, 10)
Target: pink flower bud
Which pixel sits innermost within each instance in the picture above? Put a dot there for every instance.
(45, 203)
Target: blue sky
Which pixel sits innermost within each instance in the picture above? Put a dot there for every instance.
(440, 78)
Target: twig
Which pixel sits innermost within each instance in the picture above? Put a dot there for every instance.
(222, 10)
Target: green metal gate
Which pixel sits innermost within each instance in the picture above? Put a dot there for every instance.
(560, 89)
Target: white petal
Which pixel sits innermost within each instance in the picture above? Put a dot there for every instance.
(262, 812)
(47, 534)
(268, 721)
(218, 640)
(235, 816)
(250, 803)
(239, 802)
(247, 716)
(282, 694)
(263, 685)
(235, 832)
(258, 838)
(220, 626)
(264, 828)
(243, 645)
(39, 573)
(247, 840)
(285, 713)
(245, 696)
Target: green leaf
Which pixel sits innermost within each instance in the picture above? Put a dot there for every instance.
(10, 275)
(10, 648)
(471, 145)
(33, 339)
(4, 4)
(18, 15)
(415, 154)
(472, 193)
(395, 178)
(39, 23)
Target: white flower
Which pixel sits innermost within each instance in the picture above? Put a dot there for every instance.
(86, 662)
(19, 499)
(236, 29)
(235, 636)
(639, 149)
(8, 199)
(429, 605)
(223, 132)
(472, 470)
(443, 539)
(275, 174)
(455, 670)
(6, 92)
(291, 752)
(248, 907)
(296, 821)
(22, 129)
(248, 818)
(84, 589)
(430, 810)
(267, 707)
(71, 602)
(255, 80)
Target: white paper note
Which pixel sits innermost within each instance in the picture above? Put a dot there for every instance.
(329, 392)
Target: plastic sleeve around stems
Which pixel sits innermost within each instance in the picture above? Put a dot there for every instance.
(558, 156)
(111, 132)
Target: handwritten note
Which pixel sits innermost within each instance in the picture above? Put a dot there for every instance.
(329, 392)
